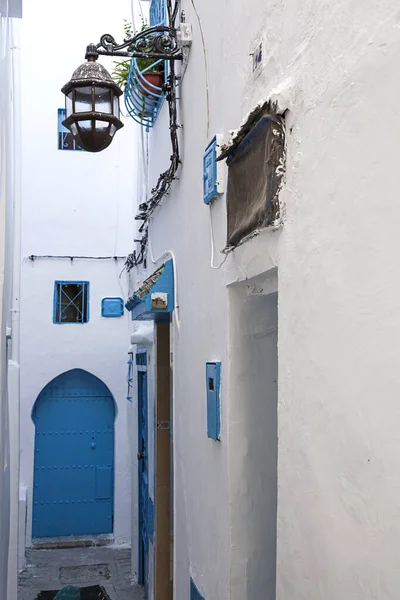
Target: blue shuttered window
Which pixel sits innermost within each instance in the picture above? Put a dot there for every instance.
(71, 302)
(194, 592)
(212, 173)
(65, 138)
(213, 383)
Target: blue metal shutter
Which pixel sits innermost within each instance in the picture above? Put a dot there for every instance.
(210, 188)
(213, 376)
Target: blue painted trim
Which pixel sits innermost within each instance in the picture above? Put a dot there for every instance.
(141, 307)
(86, 285)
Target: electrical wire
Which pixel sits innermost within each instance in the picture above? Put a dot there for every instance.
(213, 245)
(205, 66)
(34, 257)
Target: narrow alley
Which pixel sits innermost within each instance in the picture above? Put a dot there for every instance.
(199, 300)
(106, 567)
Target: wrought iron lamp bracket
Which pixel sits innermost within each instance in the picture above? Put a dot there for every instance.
(159, 42)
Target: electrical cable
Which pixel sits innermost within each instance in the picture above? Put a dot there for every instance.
(205, 66)
(213, 246)
(34, 257)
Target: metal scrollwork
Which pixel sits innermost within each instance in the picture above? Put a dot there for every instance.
(158, 42)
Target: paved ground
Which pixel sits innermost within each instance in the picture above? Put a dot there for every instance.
(54, 569)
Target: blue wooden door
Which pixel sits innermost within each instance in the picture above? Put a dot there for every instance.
(74, 457)
(143, 471)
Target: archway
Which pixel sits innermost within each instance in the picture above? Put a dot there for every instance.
(73, 492)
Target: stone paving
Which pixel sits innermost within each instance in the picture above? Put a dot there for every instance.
(54, 569)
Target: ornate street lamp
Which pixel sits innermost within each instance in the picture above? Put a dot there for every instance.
(92, 101)
(92, 104)
(92, 97)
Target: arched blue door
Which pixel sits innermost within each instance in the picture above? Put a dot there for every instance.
(74, 457)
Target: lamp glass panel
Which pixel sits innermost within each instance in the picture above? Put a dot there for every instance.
(85, 125)
(83, 99)
(102, 99)
(116, 106)
(101, 125)
(68, 104)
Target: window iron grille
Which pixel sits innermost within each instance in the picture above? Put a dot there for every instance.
(71, 302)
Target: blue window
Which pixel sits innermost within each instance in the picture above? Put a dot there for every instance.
(71, 302)
(65, 138)
(194, 592)
(213, 382)
(112, 307)
(212, 176)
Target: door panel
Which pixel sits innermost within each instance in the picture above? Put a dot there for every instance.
(74, 457)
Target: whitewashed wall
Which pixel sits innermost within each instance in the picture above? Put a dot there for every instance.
(74, 203)
(334, 67)
(9, 239)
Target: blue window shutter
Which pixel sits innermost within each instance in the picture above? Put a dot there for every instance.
(212, 178)
(112, 307)
(194, 592)
(213, 385)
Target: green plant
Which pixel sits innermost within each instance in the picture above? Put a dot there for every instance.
(121, 69)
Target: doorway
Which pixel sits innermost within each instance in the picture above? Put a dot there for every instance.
(253, 441)
(73, 492)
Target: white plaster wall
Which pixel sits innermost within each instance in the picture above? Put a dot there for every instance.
(335, 68)
(74, 203)
(9, 242)
(6, 182)
(252, 438)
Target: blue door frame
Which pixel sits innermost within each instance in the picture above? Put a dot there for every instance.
(143, 468)
(73, 491)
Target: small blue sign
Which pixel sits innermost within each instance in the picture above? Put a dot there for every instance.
(112, 307)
